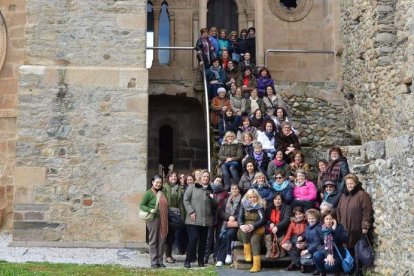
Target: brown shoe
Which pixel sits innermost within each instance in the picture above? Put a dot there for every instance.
(292, 267)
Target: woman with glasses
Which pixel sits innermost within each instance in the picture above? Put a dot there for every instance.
(330, 193)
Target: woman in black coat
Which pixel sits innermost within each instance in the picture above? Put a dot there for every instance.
(278, 216)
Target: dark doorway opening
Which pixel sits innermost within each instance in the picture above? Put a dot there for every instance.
(165, 156)
(222, 14)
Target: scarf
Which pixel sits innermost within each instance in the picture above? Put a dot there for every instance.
(215, 71)
(281, 187)
(275, 216)
(232, 203)
(163, 209)
(248, 206)
(333, 170)
(327, 239)
(279, 163)
(269, 135)
(258, 158)
(300, 184)
(217, 188)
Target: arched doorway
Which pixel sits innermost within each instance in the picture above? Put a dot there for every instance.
(166, 143)
(222, 14)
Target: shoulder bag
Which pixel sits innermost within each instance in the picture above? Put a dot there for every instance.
(347, 261)
(148, 216)
(364, 252)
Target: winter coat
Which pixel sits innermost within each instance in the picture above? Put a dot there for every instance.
(287, 193)
(283, 141)
(241, 218)
(313, 237)
(355, 213)
(223, 44)
(260, 103)
(266, 192)
(148, 202)
(295, 228)
(215, 43)
(177, 199)
(251, 83)
(224, 215)
(341, 167)
(238, 104)
(267, 145)
(340, 237)
(246, 182)
(233, 150)
(167, 190)
(241, 47)
(243, 65)
(197, 200)
(221, 199)
(217, 105)
(232, 74)
(272, 168)
(229, 124)
(307, 191)
(332, 198)
(285, 214)
(251, 47)
(272, 104)
(262, 83)
(211, 76)
(199, 47)
(293, 167)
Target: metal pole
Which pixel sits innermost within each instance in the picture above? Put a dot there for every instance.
(205, 96)
(287, 51)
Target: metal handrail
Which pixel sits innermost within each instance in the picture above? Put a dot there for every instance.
(296, 52)
(201, 63)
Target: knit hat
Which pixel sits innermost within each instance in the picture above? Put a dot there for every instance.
(329, 183)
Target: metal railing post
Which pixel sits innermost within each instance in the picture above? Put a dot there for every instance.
(203, 70)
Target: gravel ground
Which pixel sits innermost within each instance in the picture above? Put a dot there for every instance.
(124, 257)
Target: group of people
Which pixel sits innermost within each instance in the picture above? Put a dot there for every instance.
(303, 220)
(264, 195)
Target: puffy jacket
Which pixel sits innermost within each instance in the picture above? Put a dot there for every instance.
(285, 214)
(233, 150)
(307, 191)
(314, 237)
(295, 228)
(241, 218)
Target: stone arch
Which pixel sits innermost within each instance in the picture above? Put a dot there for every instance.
(3, 40)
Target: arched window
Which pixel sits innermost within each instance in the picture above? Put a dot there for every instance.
(150, 34)
(164, 34)
(165, 155)
(222, 14)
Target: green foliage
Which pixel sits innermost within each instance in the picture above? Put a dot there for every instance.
(48, 269)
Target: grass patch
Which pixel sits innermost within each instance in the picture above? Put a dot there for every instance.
(49, 269)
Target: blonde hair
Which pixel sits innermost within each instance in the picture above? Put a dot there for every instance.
(259, 174)
(228, 133)
(254, 192)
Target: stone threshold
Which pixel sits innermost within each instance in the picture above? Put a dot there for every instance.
(8, 113)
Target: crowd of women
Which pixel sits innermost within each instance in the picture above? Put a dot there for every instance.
(265, 195)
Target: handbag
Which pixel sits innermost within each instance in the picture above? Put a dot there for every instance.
(148, 216)
(174, 219)
(306, 260)
(235, 57)
(347, 261)
(275, 252)
(364, 252)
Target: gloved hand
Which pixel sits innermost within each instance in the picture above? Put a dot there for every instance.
(153, 211)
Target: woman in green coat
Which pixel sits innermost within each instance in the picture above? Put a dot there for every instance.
(158, 227)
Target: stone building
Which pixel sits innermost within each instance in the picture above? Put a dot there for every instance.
(84, 123)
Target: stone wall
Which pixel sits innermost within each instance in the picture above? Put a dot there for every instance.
(377, 81)
(386, 169)
(378, 39)
(82, 126)
(14, 14)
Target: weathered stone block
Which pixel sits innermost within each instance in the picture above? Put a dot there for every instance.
(31, 207)
(34, 225)
(398, 146)
(34, 216)
(374, 150)
(30, 176)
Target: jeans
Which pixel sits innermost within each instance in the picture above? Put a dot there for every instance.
(196, 234)
(321, 265)
(224, 246)
(230, 171)
(181, 240)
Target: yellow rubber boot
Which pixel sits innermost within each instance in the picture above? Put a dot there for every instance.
(247, 250)
(256, 264)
